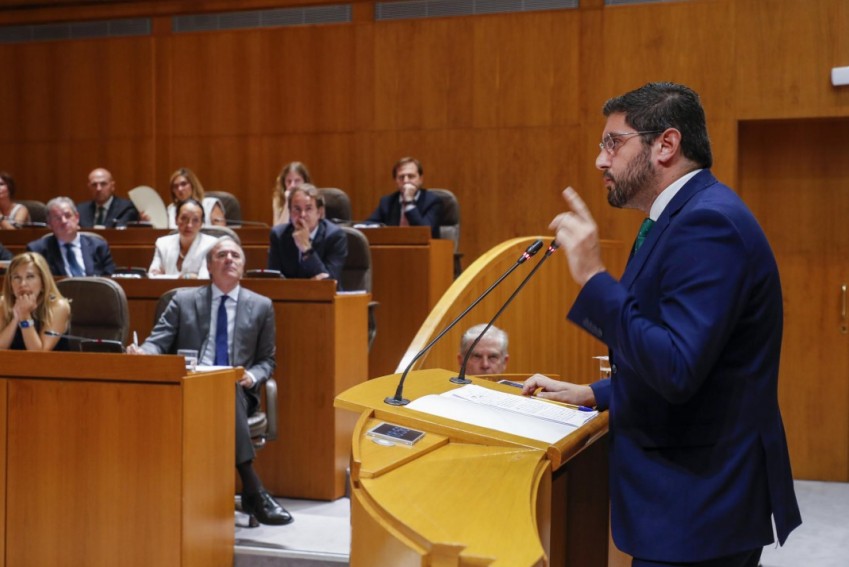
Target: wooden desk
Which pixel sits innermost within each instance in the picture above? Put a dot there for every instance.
(322, 346)
(112, 462)
(135, 246)
(410, 272)
(470, 495)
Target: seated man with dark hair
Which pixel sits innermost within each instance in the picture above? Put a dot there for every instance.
(69, 253)
(411, 204)
(227, 325)
(308, 246)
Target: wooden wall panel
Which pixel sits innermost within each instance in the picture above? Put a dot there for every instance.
(77, 106)
(800, 163)
(785, 53)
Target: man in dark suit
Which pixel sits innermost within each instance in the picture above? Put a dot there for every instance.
(410, 205)
(227, 325)
(308, 246)
(67, 251)
(698, 456)
(105, 209)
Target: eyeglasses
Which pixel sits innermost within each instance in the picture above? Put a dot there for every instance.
(612, 141)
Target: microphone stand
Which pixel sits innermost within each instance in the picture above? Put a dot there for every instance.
(80, 339)
(398, 399)
(461, 379)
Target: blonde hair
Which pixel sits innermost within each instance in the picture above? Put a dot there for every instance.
(44, 309)
(197, 188)
(280, 182)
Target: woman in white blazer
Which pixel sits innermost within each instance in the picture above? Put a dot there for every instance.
(184, 254)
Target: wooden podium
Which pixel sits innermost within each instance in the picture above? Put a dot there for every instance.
(107, 461)
(467, 495)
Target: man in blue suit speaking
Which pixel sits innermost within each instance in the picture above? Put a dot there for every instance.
(698, 457)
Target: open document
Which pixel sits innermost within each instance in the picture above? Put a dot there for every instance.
(510, 413)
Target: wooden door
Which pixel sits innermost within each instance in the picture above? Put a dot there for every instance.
(794, 176)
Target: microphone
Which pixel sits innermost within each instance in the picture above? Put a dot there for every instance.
(398, 399)
(461, 379)
(237, 224)
(31, 224)
(93, 345)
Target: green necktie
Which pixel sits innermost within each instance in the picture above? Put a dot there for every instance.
(644, 231)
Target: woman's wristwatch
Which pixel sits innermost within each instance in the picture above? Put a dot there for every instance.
(26, 323)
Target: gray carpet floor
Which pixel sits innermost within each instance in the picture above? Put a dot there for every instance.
(320, 536)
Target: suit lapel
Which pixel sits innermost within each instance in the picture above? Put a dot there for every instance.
(243, 319)
(87, 248)
(635, 264)
(395, 210)
(55, 257)
(203, 314)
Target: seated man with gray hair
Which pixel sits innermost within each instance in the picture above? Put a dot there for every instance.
(227, 325)
(490, 355)
(68, 251)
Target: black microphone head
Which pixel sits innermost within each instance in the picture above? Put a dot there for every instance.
(552, 247)
(531, 250)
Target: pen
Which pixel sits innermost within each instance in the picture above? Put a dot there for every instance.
(135, 339)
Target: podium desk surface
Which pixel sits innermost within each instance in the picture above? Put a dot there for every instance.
(370, 396)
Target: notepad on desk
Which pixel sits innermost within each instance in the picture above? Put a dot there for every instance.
(510, 413)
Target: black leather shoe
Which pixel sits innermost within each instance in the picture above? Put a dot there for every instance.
(265, 509)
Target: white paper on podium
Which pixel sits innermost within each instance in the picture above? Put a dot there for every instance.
(148, 201)
(508, 413)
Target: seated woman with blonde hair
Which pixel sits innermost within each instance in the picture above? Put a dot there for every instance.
(31, 306)
(12, 214)
(183, 254)
(186, 185)
(293, 174)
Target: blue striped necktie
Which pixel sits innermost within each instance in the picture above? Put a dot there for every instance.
(76, 269)
(643, 233)
(222, 356)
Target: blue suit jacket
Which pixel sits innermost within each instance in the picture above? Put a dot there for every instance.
(698, 457)
(427, 212)
(330, 249)
(120, 212)
(97, 258)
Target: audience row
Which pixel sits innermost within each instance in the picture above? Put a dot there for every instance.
(302, 243)
(410, 205)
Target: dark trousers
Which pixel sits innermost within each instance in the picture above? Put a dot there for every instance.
(244, 447)
(745, 559)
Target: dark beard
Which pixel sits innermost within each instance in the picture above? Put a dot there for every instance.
(636, 179)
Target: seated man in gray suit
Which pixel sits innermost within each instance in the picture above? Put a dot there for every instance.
(227, 325)
(69, 253)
